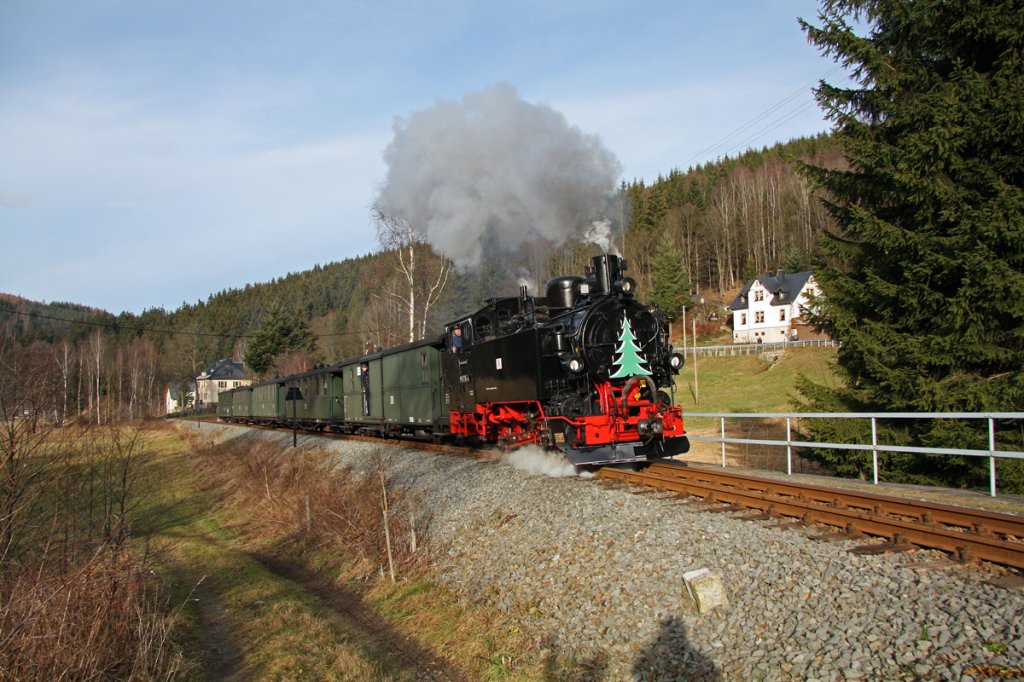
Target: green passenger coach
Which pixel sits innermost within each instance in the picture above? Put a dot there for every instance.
(394, 392)
(412, 389)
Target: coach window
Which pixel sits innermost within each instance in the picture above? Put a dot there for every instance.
(424, 367)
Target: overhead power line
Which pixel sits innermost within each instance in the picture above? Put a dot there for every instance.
(117, 325)
(788, 116)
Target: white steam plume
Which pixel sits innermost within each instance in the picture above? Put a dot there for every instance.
(600, 233)
(536, 460)
(493, 172)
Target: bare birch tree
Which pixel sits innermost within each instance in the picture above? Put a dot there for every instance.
(424, 275)
(63, 356)
(96, 356)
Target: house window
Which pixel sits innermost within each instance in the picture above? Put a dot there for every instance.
(758, 295)
(222, 384)
(743, 319)
(782, 314)
(759, 317)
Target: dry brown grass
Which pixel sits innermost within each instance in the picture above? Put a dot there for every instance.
(103, 617)
(299, 501)
(76, 600)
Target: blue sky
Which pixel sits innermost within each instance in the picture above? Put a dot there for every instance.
(153, 153)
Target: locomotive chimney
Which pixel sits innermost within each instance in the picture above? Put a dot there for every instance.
(606, 271)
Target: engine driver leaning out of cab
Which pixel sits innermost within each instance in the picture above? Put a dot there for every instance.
(457, 340)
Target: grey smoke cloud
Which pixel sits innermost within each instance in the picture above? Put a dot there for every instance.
(494, 168)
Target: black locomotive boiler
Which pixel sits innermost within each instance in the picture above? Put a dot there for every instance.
(587, 369)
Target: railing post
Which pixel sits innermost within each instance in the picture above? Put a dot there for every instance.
(992, 457)
(874, 447)
(723, 441)
(789, 447)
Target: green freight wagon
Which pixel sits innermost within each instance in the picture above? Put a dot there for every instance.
(412, 389)
(321, 403)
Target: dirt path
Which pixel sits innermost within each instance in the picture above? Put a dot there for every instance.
(405, 652)
(224, 660)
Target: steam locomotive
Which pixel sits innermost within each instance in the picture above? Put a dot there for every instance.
(586, 370)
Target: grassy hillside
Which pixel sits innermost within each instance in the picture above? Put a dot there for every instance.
(749, 383)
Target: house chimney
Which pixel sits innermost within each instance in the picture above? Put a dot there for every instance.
(781, 275)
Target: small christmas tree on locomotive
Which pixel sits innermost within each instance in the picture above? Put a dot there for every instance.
(628, 358)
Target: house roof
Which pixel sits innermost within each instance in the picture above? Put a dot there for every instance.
(225, 369)
(784, 288)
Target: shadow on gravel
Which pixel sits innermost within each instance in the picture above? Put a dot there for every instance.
(405, 655)
(670, 656)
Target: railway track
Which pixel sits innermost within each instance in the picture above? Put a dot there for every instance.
(966, 534)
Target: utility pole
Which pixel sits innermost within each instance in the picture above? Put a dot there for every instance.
(696, 386)
(294, 395)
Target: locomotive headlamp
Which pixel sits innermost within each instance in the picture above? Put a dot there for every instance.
(627, 285)
(676, 361)
(575, 364)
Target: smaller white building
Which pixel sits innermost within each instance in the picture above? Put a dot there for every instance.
(177, 398)
(773, 308)
(223, 376)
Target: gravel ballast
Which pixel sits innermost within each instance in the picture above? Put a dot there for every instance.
(596, 573)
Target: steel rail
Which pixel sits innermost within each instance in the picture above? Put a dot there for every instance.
(924, 512)
(964, 533)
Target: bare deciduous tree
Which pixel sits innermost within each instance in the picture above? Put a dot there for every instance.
(424, 274)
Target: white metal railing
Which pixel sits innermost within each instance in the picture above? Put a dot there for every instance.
(752, 348)
(874, 446)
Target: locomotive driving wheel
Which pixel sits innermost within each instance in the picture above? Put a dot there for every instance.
(571, 435)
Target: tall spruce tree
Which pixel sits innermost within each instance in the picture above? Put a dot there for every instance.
(924, 280)
(282, 331)
(670, 285)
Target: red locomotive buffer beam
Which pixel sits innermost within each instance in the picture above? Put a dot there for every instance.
(632, 426)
